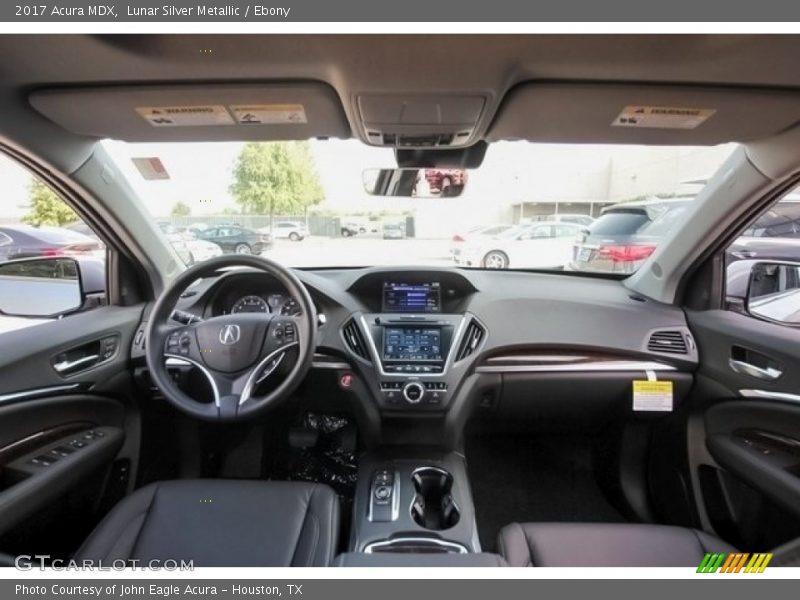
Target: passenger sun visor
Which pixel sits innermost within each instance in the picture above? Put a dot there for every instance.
(246, 112)
(642, 114)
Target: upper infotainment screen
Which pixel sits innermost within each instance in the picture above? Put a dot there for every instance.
(412, 297)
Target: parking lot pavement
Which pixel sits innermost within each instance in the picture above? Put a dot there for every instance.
(360, 251)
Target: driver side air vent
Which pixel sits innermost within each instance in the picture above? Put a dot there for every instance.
(472, 338)
(670, 342)
(355, 339)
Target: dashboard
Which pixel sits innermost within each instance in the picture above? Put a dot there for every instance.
(438, 340)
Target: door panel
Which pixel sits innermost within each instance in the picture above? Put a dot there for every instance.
(745, 453)
(68, 425)
(722, 335)
(28, 356)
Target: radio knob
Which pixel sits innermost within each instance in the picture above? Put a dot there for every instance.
(413, 392)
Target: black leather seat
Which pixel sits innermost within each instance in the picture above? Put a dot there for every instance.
(605, 545)
(221, 523)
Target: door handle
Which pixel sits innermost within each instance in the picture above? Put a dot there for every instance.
(745, 368)
(65, 366)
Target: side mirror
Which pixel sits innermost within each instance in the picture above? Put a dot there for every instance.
(773, 292)
(40, 287)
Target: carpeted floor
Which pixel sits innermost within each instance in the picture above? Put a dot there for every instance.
(533, 478)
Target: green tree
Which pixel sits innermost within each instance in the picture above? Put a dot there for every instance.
(181, 209)
(46, 207)
(275, 177)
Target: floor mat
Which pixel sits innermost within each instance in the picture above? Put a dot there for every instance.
(324, 451)
(533, 478)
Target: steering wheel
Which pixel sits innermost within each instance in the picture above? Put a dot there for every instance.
(236, 352)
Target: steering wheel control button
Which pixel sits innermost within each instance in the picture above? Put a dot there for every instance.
(413, 392)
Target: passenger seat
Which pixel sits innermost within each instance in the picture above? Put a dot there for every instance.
(605, 545)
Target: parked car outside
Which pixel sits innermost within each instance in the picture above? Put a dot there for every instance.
(393, 231)
(24, 241)
(626, 234)
(200, 250)
(565, 218)
(178, 241)
(534, 246)
(287, 230)
(460, 239)
(775, 235)
(234, 239)
(350, 229)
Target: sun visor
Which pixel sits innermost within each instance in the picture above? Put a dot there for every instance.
(246, 112)
(640, 114)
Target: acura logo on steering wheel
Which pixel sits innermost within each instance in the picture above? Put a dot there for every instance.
(229, 335)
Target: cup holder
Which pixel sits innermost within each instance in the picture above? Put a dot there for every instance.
(433, 507)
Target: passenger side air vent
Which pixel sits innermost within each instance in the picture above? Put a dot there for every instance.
(472, 338)
(355, 339)
(670, 342)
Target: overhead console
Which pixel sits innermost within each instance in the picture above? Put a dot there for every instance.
(420, 121)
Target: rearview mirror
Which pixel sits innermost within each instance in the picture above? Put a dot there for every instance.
(415, 183)
(774, 292)
(40, 287)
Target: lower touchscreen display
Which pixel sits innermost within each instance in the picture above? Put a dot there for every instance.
(412, 343)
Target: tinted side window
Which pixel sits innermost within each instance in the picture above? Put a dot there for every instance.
(762, 265)
(619, 223)
(782, 220)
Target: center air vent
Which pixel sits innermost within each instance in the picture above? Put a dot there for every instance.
(355, 339)
(670, 342)
(472, 338)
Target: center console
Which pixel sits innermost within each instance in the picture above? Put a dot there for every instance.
(413, 345)
(416, 503)
(413, 356)
(414, 334)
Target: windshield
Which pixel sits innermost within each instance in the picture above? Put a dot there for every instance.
(305, 204)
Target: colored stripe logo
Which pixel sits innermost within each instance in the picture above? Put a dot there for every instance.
(739, 562)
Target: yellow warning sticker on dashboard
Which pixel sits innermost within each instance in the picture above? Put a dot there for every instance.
(652, 396)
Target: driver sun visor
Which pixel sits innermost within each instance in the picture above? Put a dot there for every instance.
(224, 112)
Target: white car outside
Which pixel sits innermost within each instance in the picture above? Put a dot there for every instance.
(201, 249)
(460, 240)
(541, 245)
(288, 230)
